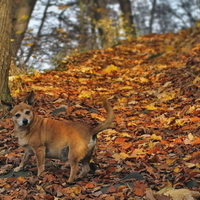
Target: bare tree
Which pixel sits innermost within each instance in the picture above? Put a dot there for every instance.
(5, 57)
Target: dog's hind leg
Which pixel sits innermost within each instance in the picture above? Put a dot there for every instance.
(73, 161)
(85, 166)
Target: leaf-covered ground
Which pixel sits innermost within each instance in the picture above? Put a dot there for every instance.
(153, 85)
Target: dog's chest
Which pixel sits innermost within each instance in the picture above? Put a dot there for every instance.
(23, 141)
(23, 137)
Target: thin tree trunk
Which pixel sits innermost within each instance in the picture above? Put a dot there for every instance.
(152, 16)
(21, 15)
(100, 12)
(31, 50)
(5, 57)
(125, 6)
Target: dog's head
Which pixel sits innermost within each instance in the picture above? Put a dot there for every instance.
(22, 114)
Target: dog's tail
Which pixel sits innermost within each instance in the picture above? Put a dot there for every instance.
(107, 123)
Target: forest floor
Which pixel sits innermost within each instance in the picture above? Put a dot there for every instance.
(153, 149)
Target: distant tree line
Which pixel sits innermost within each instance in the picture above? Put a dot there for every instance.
(45, 31)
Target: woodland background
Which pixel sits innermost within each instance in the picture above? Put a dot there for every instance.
(47, 31)
(152, 81)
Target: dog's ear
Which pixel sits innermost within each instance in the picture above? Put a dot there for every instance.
(29, 99)
(8, 105)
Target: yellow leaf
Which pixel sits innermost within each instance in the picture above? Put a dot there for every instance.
(166, 96)
(141, 80)
(29, 30)
(197, 23)
(85, 69)
(122, 100)
(77, 189)
(196, 80)
(61, 30)
(83, 80)
(191, 109)
(170, 161)
(119, 156)
(126, 88)
(177, 169)
(24, 17)
(169, 48)
(156, 137)
(29, 44)
(19, 32)
(151, 144)
(187, 157)
(110, 68)
(197, 165)
(190, 136)
(151, 107)
(190, 165)
(137, 152)
(109, 49)
(125, 134)
(181, 122)
(97, 116)
(85, 93)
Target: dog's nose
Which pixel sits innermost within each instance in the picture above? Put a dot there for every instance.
(25, 121)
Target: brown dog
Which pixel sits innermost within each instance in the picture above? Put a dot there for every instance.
(67, 141)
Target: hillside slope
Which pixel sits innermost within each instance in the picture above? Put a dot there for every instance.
(153, 85)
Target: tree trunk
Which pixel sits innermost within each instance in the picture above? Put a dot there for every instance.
(99, 14)
(20, 18)
(5, 58)
(152, 16)
(125, 6)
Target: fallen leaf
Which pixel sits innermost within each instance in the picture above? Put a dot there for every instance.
(156, 137)
(139, 188)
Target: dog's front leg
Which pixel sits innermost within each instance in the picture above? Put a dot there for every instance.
(40, 156)
(28, 153)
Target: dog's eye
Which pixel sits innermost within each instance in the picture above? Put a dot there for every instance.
(17, 115)
(27, 112)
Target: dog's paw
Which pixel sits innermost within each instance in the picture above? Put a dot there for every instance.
(71, 183)
(17, 169)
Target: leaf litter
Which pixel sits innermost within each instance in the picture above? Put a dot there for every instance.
(152, 150)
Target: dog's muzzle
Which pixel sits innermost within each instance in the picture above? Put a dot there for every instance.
(24, 122)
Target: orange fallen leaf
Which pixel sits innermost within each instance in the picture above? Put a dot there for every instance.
(178, 141)
(21, 180)
(196, 141)
(89, 186)
(112, 189)
(120, 140)
(109, 197)
(195, 119)
(154, 150)
(139, 188)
